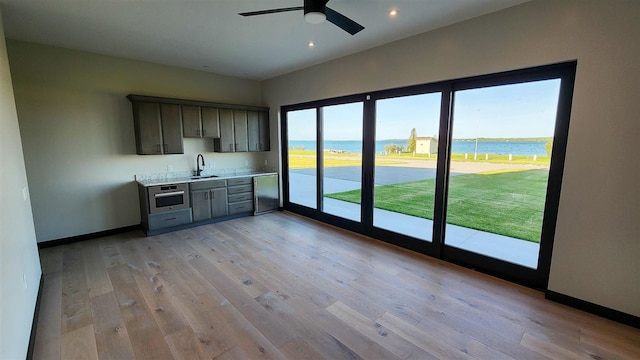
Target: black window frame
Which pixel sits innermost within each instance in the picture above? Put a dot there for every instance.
(536, 278)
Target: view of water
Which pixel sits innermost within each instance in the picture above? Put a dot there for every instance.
(525, 148)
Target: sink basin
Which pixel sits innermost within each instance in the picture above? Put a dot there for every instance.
(204, 177)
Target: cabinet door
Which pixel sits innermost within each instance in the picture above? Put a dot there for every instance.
(240, 130)
(265, 137)
(219, 202)
(210, 122)
(171, 128)
(226, 141)
(200, 205)
(253, 129)
(146, 118)
(191, 121)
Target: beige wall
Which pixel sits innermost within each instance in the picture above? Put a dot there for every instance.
(78, 137)
(19, 263)
(597, 242)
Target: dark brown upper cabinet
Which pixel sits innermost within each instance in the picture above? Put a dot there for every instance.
(258, 131)
(158, 128)
(200, 122)
(240, 130)
(226, 142)
(161, 123)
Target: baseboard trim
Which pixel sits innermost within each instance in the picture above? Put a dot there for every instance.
(605, 312)
(34, 324)
(95, 235)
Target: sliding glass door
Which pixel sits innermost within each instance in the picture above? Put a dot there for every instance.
(466, 170)
(502, 138)
(302, 159)
(342, 159)
(405, 164)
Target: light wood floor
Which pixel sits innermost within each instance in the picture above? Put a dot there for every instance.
(279, 286)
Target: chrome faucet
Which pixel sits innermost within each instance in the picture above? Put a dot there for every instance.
(198, 170)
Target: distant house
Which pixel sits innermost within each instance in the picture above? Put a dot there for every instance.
(426, 145)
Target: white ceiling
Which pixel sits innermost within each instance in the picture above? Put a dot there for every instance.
(210, 36)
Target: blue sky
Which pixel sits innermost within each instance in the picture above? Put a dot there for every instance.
(519, 110)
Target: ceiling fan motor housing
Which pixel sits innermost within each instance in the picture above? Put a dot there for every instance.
(315, 10)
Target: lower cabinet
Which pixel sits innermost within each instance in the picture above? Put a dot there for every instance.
(208, 200)
(169, 219)
(240, 195)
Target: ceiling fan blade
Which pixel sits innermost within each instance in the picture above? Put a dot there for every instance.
(343, 22)
(271, 11)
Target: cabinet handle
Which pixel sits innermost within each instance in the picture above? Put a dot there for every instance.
(204, 132)
(169, 219)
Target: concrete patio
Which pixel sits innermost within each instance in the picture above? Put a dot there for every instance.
(338, 179)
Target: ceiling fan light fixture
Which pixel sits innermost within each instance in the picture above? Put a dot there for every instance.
(315, 17)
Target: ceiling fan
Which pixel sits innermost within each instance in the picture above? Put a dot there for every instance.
(315, 12)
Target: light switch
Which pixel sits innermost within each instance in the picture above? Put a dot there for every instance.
(24, 193)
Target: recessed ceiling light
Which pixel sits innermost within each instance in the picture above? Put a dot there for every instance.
(393, 12)
(312, 44)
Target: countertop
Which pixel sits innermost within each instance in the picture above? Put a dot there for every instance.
(190, 179)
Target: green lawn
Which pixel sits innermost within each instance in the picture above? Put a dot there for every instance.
(508, 203)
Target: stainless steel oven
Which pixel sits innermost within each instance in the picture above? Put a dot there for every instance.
(168, 197)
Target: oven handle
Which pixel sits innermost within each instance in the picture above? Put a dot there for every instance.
(173, 193)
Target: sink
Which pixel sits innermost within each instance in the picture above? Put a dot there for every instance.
(203, 177)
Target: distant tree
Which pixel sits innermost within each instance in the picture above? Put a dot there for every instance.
(411, 144)
(392, 148)
(548, 146)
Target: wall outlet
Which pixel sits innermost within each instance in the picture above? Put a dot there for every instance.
(24, 280)
(266, 162)
(169, 168)
(24, 193)
(246, 163)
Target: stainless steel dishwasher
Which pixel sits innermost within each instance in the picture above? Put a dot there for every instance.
(265, 190)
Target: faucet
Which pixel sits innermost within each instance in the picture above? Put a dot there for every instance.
(198, 170)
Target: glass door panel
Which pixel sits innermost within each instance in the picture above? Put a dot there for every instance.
(405, 164)
(302, 157)
(342, 160)
(499, 169)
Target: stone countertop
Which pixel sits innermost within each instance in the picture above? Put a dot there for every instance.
(190, 179)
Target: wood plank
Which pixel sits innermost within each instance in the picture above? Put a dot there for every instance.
(378, 333)
(426, 341)
(98, 280)
(112, 337)
(322, 342)
(185, 346)
(76, 311)
(277, 332)
(109, 250)
(51, 259)
(145, 273)
(612, 338)
(146, 337)
(79, 344)
(549, 349)
(48, 338)
(235, 353)
(299, 349)
(217, 324)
